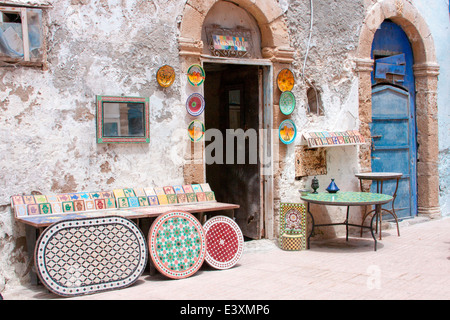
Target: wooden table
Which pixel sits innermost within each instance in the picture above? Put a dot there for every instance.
(36, 224)
(380, 177)
(347, 199)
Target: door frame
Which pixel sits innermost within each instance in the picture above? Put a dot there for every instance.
(265, 148)
(426, 71)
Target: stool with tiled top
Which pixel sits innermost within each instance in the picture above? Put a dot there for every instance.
(292, 226)
(380, 177)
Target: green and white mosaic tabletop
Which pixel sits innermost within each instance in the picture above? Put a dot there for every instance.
(347, 198)
(177, 244)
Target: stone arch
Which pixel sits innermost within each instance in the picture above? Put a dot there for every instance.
(426, 70)
(267, 13)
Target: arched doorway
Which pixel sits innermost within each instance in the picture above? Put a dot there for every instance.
(393, 126)
(269, 53)
(425, 70)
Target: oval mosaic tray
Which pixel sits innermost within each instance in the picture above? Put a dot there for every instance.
(84, 256)
(287, 131)
(196, 75)
(196, 130)
(287, 102)
(177, 244)
(285, 80)
(224, 242)
(195, 104)
(165, 76)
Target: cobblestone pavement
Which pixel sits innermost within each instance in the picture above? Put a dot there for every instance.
(415, 265)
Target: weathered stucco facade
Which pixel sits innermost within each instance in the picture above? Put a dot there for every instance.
(97, 47)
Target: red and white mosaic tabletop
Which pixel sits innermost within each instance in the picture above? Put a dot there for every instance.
(224, 242)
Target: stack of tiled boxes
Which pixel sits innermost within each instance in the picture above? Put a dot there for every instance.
(25, 205)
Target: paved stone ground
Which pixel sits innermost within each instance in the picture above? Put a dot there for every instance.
(415, 265)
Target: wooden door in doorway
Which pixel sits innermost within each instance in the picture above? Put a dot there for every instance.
(232, 98)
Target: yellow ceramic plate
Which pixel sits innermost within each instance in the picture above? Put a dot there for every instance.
(196, 75)
(165, 76)
(285, 80)
(196, 130)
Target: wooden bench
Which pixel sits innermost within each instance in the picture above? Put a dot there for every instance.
(140, 204)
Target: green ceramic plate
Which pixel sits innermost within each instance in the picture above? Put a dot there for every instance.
(287, 102)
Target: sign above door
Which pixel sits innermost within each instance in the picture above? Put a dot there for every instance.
(230, 43)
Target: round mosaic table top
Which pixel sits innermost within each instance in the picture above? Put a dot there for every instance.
(177, 244)
(347, 198)
(224, 242)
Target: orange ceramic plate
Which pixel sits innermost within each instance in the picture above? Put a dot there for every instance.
(285, 80)
(196, 130)
(165, 76)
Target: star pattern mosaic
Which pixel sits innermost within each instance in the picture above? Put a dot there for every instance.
(177, 244)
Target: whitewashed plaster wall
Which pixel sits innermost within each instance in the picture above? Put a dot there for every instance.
(329, 66)
(436, 14)
(48, 131)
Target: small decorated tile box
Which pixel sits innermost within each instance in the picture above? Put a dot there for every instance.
(172, 198)
(21, 210)
(33, 209)
(122, 202)
(45, 208)
(110, 203)
(100, 204)
(17, 200)
(162, 199)
(67, 206)
(79, 205)
(182, 198)
(153, 200)
(201, 197)
(40, 198)
(133, 202)
(57, 207)
(29, 199)
(90, 204)
(143, 201)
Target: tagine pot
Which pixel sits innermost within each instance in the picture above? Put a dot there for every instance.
(332, 188)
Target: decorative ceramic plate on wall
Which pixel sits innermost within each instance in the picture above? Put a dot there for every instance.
(195, 104)
(287, 131)
(287, 102)
(196, 130)
(224, 242)
(165, 76)
(196, 75)
(285, 80)
(177, 244)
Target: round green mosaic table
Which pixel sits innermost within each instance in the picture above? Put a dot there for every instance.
(347, 199)
(177, 244)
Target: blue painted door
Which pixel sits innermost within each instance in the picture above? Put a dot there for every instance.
(393, 126)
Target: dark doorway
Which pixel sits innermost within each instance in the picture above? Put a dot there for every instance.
(233, 103)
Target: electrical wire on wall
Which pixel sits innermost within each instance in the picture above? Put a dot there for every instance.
(306, 57)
